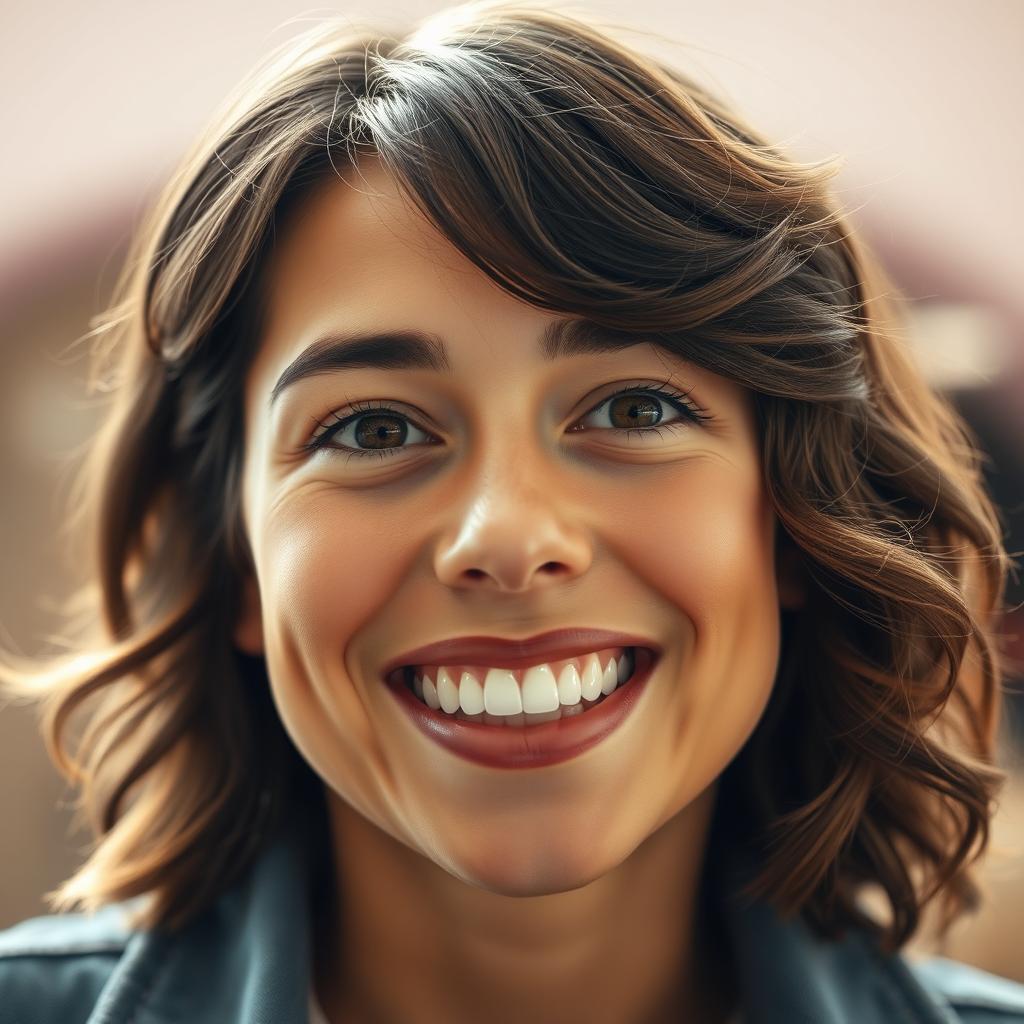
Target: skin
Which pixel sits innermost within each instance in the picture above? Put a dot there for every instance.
(502, 895)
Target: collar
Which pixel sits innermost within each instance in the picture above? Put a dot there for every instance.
(787, 974)
(247, 961)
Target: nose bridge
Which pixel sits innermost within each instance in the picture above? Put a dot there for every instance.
(514, 518)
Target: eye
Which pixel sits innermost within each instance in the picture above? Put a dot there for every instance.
(371, 424)
(636, 409)
(380, 425)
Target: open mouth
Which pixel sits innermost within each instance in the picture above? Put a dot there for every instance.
(582, 683)
(525, 740)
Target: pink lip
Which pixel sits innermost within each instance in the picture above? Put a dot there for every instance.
(499, 653)
(531, 746)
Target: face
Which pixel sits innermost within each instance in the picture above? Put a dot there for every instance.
(514, 502)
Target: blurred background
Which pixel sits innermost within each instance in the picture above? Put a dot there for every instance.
(919, 96)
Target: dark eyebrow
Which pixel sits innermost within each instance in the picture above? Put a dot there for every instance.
(421, 350)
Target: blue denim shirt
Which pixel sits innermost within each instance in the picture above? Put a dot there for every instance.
(247, 961)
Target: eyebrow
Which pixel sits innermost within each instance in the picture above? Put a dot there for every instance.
(408, 349)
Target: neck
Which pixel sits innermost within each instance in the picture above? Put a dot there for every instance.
(399, 938)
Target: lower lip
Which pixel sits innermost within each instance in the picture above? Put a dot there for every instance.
(530, 746)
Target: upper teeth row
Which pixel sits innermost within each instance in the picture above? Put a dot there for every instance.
(541, 690)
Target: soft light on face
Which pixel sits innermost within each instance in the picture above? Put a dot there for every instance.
(494, 518)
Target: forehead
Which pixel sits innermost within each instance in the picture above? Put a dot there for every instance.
(356, 255)
(355, 247)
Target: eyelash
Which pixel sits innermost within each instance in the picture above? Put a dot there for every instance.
(678, 400)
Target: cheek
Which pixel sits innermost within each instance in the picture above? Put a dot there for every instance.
(708, 548)
(332, 568)
(328, 568)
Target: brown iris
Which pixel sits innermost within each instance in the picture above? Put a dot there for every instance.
(632, 405)
(381, 428)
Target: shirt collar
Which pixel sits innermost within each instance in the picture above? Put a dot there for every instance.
(247, 960)
(788, 974)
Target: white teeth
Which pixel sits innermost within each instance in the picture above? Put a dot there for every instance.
(590, 681)
(447, 691)
(540, 691)
(430, 693)
(569, 685)
(611, 677)
(471, 694)
(501, 693)
(540, 697)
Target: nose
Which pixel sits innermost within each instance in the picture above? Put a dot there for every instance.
(512, 536)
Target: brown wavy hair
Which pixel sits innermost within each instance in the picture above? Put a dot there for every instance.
(585, 177)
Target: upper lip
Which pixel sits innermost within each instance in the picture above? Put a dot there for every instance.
(488, 650)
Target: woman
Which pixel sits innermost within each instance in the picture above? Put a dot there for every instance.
(531, 571)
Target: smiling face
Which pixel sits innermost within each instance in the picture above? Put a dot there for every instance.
(510, 500)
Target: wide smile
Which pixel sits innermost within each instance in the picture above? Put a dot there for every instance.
(545, 692)
(525, 739)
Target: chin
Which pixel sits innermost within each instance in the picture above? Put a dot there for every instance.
(541, 875)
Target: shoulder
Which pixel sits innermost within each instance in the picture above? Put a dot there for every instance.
(54, 968)
(975, 996)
